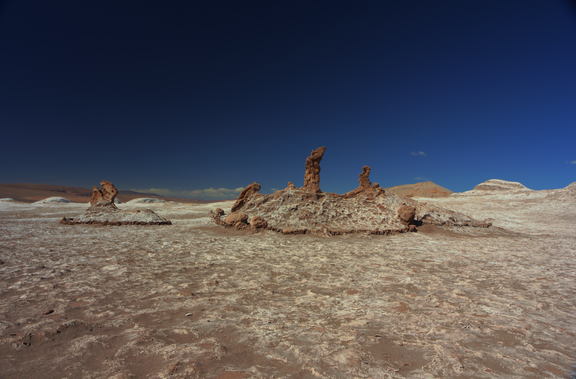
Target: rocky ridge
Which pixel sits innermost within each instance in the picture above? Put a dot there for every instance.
(496, 187)
(367, 209)
(421, 189)
(103, 211)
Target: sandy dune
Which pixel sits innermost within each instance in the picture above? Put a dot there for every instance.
(193, 300)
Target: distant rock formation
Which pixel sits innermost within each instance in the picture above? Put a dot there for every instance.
(246, 194)
(421, 189)
(53, 199)
(104, 196)
(497, 187)
(103, 211)
(145, 200)
(367, 209)
(312, 174)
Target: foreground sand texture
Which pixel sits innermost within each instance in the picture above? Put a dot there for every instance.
(195, 300)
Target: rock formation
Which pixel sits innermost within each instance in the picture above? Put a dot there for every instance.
(497, 187)
(363, 178)
(258, 222)
(312, 174)
(367, 209)
(365, 184)
(246, 194)
(103, 211)
(234, 219)
(105, 196)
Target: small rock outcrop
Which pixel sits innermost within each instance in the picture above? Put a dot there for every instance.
(363, 178)
(105, 195)
(236, 219)
(258, 222)
(103, 211)
(246, 194)
(312, 174)
(365, 184)
(407, 214)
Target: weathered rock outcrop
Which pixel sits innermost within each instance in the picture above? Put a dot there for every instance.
(103, 211)
(234, 219)
(367, 209)
(312, 174)
(363, 178)
(104, 196)
(365, 184)
(258, 222)
(246, 194)
(407, 214)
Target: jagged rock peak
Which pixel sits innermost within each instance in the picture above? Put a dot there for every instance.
(363, 177)
(105, 195)
(312, 174)
(246, 194)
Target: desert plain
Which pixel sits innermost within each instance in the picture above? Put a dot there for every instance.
(198, 300)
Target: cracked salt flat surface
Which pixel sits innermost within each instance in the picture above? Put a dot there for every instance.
(195, 300)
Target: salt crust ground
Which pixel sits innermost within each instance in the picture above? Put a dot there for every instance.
(196, 301)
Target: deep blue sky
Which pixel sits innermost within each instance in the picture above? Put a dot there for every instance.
(192, 95)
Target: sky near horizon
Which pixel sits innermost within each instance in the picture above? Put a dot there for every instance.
(199, 99)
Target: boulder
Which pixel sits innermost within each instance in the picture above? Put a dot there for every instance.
(258, 222)
(219, 212)
(312, 174)
(246, 194)
(236, 218)
(406, 214)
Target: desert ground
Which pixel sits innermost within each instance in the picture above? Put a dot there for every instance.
(196, 300)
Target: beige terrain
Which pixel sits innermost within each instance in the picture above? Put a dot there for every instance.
(197, 300)
(422, 189)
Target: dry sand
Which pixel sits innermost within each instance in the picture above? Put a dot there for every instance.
(193, 300)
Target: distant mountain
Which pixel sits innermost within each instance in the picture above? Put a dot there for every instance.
(30, 192)
(422, 189)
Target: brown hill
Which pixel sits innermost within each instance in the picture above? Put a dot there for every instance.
(31, 192)
(422, 189)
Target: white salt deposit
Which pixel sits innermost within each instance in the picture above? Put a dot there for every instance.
(145, 200)
(53, 199)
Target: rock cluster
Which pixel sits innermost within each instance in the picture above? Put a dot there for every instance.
(103, 211)
(367, 209)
